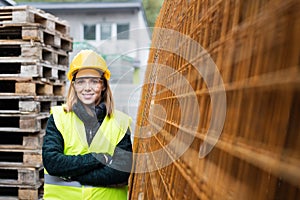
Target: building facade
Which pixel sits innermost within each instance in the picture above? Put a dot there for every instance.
(118, 31)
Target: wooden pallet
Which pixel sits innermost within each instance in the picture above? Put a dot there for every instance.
(21, 158)
(35, 32)
(21, 140)
(32, 51)
(15, 192)
(18, 87)
(21, 14)
(19, 176)
(34, 69)
(23, 123)
(28, 104)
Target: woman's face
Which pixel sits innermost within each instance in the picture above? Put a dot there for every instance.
(88, 86)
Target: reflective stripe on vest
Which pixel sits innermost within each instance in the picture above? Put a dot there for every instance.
(54, 180)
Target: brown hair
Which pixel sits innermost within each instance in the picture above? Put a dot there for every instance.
(106, 97)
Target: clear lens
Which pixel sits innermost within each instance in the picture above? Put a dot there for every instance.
(81, 83)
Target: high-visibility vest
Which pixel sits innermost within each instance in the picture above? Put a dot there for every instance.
(110, 133)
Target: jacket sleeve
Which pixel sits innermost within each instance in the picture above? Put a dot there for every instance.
(117, 172)
(57, 163)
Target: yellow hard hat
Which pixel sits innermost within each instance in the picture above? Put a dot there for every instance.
(90, 60)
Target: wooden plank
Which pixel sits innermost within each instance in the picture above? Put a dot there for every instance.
(27, 14)
(15, 192)
(17, 68)
(27, 106)
(21, 158)
(31, 88)
(21, 176)
(30, 194)
(27, 88)
(35, 32)
(11, 49)
(21, 140)
(26, 123)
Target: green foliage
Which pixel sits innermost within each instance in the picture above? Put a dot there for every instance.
(152, 8)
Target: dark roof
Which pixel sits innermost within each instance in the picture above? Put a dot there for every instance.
(86, 6)
(7, 2)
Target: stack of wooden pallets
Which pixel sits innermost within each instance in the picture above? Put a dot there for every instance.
(34, 48)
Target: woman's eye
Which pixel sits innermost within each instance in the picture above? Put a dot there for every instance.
(79, 82)
(95, 81)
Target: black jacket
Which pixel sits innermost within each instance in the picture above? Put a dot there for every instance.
(88, 169)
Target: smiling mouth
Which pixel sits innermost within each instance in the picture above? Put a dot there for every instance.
(87, 95)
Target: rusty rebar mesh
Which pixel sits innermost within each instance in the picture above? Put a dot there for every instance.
(255, 47)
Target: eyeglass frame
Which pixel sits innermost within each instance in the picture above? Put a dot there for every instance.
(87, 82)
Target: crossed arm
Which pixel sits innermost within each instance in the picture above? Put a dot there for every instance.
(88, 169)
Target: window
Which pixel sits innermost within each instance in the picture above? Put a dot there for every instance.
(89, 32)
(105, 31)
(123, 31)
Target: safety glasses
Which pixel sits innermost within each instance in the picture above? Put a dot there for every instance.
(87, 82)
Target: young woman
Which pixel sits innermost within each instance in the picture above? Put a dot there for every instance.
(87, 152)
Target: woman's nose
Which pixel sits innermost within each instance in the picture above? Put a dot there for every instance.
(87, 85)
